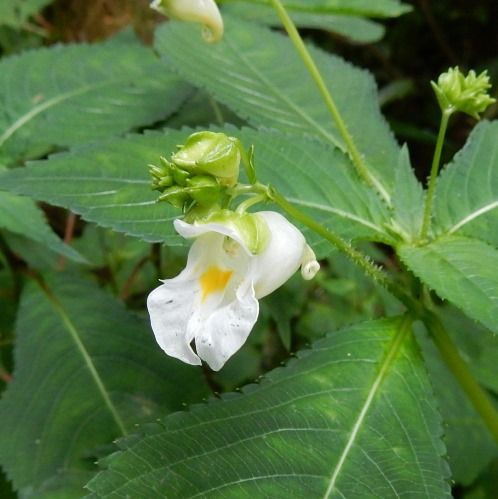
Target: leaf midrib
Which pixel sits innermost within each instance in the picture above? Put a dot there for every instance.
(35, 111)
(389, 358)
(473, 215)
(338, 212)
(75, 336)
(297, 111)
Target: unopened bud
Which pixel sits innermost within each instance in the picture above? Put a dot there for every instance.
(309, 264)
(176, 196)
(204, 189)
(179, 176)
(210, 153)
(167, 175)
(468, 94)
(204, 12)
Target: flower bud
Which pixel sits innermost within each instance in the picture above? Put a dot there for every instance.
(179, 176)
(468, 94)
(204, 189)
(176, 196)
(309, 264)
(167, 175)
(210, 153)
(204, 12)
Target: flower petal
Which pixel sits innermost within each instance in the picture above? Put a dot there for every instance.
(170, 307)
(227, 328)
(281, 257)
(189, 231)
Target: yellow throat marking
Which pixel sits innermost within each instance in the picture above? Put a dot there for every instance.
(214, 280)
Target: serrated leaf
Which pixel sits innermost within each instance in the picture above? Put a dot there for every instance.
(460, 270)
(14, 13)
(357, 29)
(48, 100)
(467, 191)
(319, 179)
(86, 371)
(408, 198)
(470, 445)
(257, 73)
(379, 8)
(22, 216)
(359, 400)
(109, 183)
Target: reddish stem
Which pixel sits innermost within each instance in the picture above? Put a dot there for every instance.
(68, 236)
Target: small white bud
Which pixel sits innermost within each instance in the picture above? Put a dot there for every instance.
(309, 264)
(204, 12)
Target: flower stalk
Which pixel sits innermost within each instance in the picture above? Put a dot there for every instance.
(454, 92)
(426, 223)
(353, 151)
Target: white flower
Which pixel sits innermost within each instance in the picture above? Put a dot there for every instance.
(214, 300)
(199, 11)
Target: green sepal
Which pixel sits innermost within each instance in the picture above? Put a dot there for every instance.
(251, 227)
(248, 161)
(175, 196)
(179, 176)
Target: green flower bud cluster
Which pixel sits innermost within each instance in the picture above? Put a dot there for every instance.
(199, 173)
(468, 94)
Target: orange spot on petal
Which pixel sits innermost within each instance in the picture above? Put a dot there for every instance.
(214, 280)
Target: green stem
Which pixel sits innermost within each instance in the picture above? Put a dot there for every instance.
(245, 205)
(433, 176)
(444, 343)
(363, 261)
(303, 52)
(216, 110)
(461, 372)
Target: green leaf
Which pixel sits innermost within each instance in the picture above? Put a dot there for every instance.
(333, 195)
(49, 101)
(467, 191)
(408, 198)
(470, 445)
(353, 417)
(477, 345)
(460, 270)
(15, 13)
(245, 71)
(379, 8)
(21, 216)
(355, 28)
(37, 256)
(201, 111)
(109, 183)
(86, 371)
